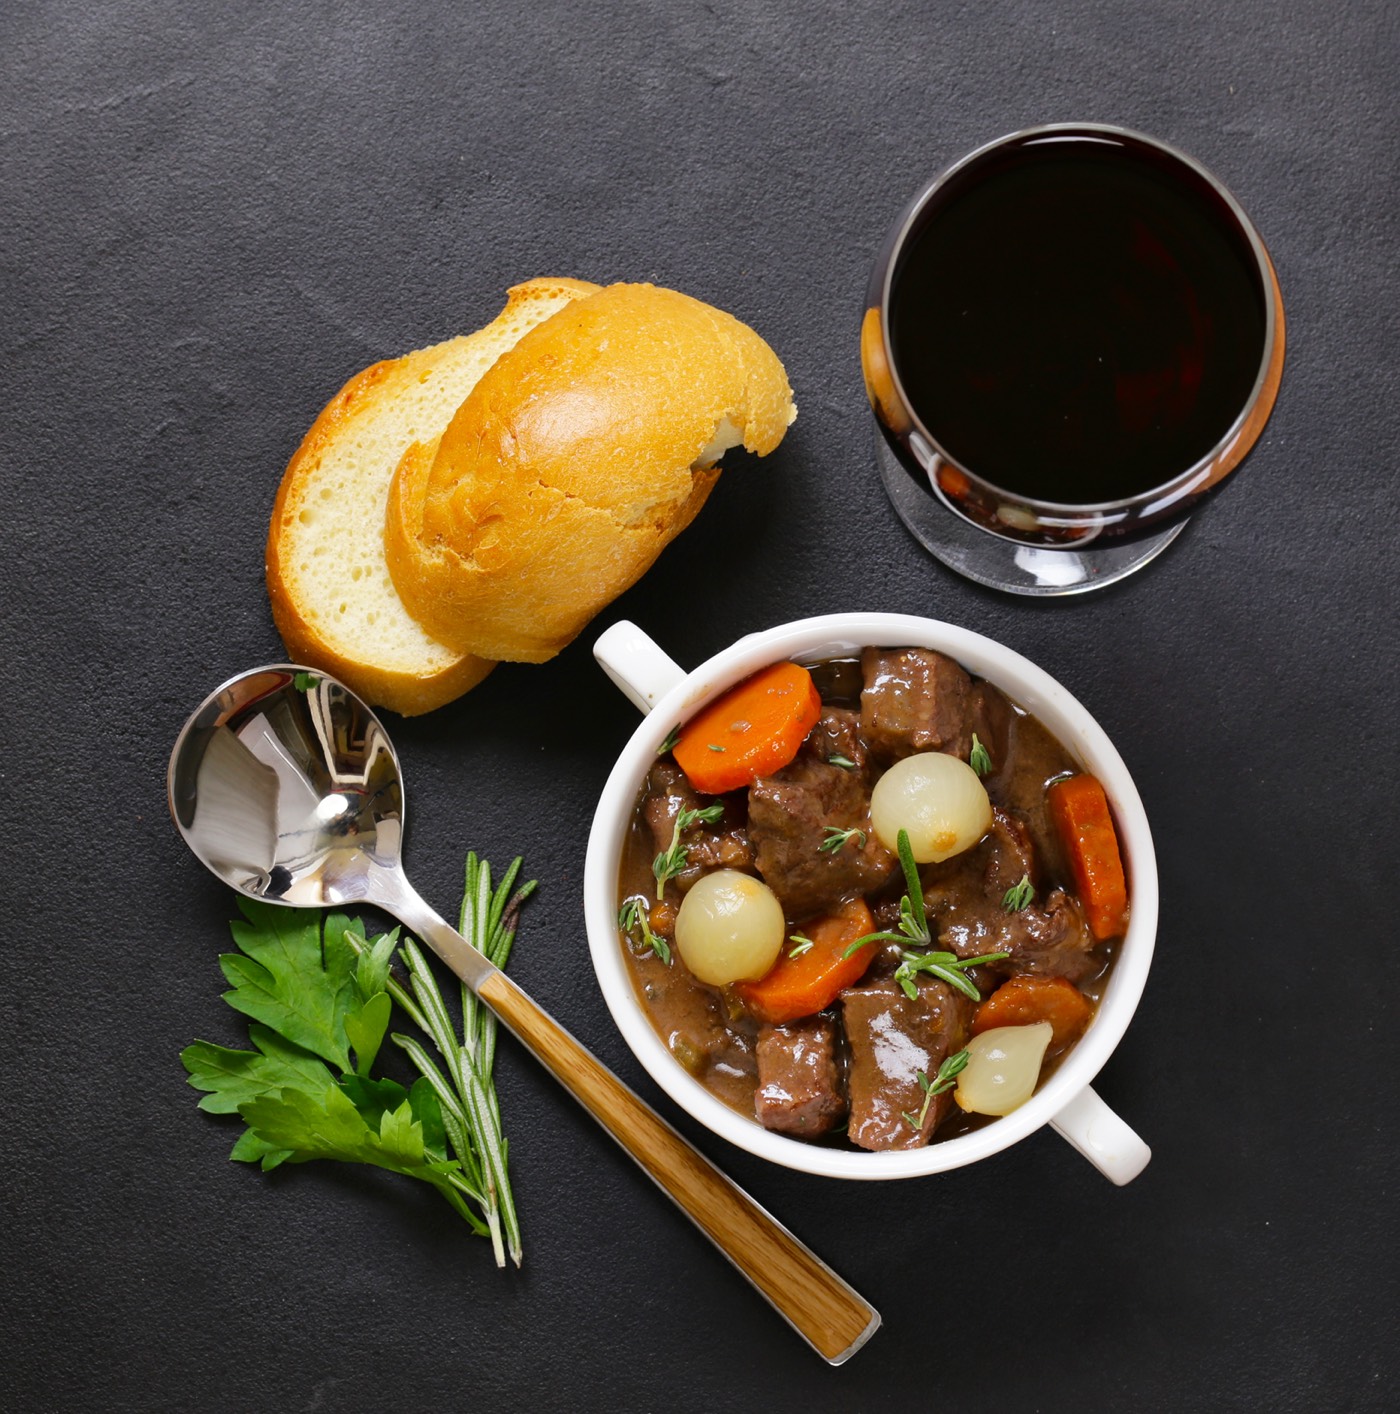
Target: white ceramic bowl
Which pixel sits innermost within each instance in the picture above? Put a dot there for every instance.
(669, 696)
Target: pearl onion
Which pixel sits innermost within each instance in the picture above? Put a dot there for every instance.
(730, 928)
(938, 799)
(1003, 1066)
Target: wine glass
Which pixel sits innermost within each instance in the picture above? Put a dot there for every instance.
(1072, 336)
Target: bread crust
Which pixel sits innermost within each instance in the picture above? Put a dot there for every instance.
(299, 611)
(572, 464)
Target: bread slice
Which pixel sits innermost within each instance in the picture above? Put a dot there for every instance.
(333, 600)
(575, 460)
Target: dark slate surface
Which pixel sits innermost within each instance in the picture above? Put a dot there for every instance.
(211, 219)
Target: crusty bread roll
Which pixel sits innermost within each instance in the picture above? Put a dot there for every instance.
(332, 598)
(573, 462)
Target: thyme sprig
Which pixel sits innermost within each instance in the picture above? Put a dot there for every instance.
(634, 919)
(946, 1078)
(914, 928)
(1019, 895)
(837, 839)
(980, 758)
(673, 858)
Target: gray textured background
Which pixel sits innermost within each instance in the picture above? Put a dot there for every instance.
(210, 221)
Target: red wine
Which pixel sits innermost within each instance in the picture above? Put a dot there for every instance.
(1077, 319)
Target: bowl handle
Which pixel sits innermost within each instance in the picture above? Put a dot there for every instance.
(634, 662)
(1103, 1138)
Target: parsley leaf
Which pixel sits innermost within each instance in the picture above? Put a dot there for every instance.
(321, 998)
(232, 1078)
(287, 979)
(326, 1124)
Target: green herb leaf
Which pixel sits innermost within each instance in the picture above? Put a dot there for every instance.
(947, 1076)
(365, 1028)
(233, 1077)
(372, 966)
(318, 991)
(949, 1071)
(979, 759)
(672, 860)
(672, 737)
(945, 966)
(802, 944)
(914, 927)
(844, 762)
(287, 979)
(427, 1110)
(250, 1148)
(374, 1098)
(305, 682)
(327, 1125)
(851, 949)
(911, 907)
(1019, 895)
(837, 839)
(635, 922)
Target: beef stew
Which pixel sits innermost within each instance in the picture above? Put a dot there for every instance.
(854, 1024)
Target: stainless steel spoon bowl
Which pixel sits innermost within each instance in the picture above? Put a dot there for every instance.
(286, 786)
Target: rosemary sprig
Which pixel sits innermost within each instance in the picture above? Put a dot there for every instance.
(837, 839)
(471, 1113)
(672, 859)
(672, 737)
(979, 759)
(914, 928)
(1019, 895)
(635, 921)
(946, 966)
(946, 1078)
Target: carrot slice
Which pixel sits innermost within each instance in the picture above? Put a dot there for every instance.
(801, 985)
(1080, 811)
(1022, 1001)
(752, 731)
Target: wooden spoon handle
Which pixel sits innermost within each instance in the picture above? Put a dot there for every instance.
(828, 1313)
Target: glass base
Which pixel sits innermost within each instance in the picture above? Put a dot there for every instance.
(1003, 564)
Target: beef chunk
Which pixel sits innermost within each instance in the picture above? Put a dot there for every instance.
(963, 898)
(723, 845)
(914, 700)
(837, 734)
(788, 815)
(892, 1038)
(798, 1092)
(989, 715)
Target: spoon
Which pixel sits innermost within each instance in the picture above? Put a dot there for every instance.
(286, 786)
